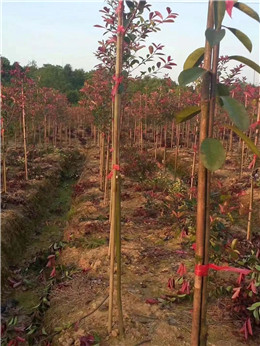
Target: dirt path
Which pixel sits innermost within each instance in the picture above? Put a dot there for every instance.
(152, 250)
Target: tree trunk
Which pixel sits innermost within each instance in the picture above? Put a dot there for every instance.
(24, 138)
(115, 230)
(106, 173)
(4, 159)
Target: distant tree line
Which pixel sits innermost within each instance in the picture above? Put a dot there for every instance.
(64, 79)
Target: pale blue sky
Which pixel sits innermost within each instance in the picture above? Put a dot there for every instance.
(63, 32)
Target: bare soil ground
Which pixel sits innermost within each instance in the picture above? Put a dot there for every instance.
(152, 250)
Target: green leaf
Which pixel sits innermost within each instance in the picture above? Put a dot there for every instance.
(44, 331)
(242, 38)
(236, 111)
(246, 61)
(247, 140)
(32, 330)
(132, 37)
(234, 244)
(141, 6)
(219, 13)
(135, 61)
(212, 154)
(222, 90)
(127, 39)
(256, 315)
(247, 10)
(214, 36)
(187, 114)
(10, 322)
(194, 59)
(190, 75)
(254, 306)
(130, 4)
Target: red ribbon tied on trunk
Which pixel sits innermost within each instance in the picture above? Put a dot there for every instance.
(120, 29)
(118, 81)
(203, 269)
(114, 168)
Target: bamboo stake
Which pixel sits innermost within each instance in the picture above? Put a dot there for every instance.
(176, 150)
(194, 158)
(242, 159)
(251, 196)
(165, 141)
(156, 144)
(198, 334)
(102, 161)
(250, 212)
(172, 133)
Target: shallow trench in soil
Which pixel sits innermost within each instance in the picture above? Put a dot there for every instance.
(64, 274)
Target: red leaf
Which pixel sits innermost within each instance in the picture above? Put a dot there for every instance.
(158, 14)
(252, 163)
(76, 326)
(237, 291)
(222, 209)
(240, 278)
(12, 343)
(193, 246)
(152, 301)
(182, 269)
(98, 26)
(171, 283)
(173, 15)
(254, 125)
(87, 340)
(249, 326)
(229, 6)
(53, 273)
(168, 10)
(183, 234)
(185, 288)
(252, 287)
(181, 252)
(17, 284)
(244, 330)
